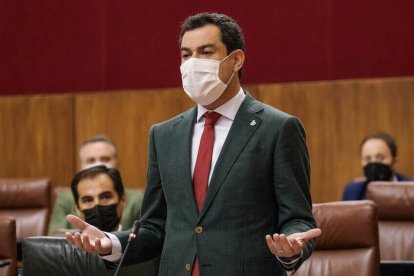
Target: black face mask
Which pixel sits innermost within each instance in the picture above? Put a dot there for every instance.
(377, 172)
(103, 217)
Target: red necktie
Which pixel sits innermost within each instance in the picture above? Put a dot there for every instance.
(203, 165)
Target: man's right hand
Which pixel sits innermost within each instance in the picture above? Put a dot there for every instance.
(91, 239)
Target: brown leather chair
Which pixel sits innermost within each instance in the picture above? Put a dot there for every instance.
(349, 241)
(8, 247)
(27, 200)
(395, 204)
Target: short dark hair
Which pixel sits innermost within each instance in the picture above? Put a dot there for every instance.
(91, 173)
(231, 33)
(99, 138)
(388, 139)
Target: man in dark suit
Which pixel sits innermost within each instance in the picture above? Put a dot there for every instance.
(254, 214)
(378, 160)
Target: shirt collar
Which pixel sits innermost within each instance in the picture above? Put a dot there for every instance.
(228, 109)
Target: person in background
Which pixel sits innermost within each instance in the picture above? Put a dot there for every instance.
(227, 180)
(94, 151)
(99, 197)
(378, 159)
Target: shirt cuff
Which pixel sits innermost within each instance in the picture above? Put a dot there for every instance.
(289, 263)
(116, 253)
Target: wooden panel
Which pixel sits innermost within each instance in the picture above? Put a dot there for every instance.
(41, 135)
(37, 137)
(337, 115)
(127, 117)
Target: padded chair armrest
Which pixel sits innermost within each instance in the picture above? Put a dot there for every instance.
(47, 255)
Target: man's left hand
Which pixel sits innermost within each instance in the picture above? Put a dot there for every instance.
(288, 246)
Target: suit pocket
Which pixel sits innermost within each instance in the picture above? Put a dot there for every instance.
(163, 270)
(267, 267)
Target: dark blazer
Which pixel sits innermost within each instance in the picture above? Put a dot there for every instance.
(356, 190)
(259, 186)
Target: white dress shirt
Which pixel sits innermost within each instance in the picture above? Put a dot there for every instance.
(221, 129)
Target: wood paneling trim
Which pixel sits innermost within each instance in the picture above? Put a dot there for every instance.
(41, 134)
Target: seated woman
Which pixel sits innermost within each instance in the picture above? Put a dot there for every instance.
(378, 159)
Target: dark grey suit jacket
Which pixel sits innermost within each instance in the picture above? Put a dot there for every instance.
(259, 186)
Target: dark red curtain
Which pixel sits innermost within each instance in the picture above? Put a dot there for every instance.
(55, 46)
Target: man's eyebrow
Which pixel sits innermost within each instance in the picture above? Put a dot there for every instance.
(105, 193)
(206, 46)
(199, 47)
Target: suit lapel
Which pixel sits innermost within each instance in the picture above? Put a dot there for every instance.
(182, 137)
(245, 124)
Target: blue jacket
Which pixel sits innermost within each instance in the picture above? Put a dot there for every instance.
(356, 190)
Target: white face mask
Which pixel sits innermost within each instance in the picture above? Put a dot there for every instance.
(201, 79)
(98, 163)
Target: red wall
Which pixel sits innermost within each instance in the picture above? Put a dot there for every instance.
(54, 46)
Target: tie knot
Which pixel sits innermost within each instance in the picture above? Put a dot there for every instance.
(211, 118)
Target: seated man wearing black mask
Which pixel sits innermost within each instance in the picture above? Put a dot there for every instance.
(99, 196)
(378, 159)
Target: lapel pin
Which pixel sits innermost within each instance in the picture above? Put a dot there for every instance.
(253, 123)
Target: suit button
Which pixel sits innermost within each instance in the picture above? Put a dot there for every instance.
(199, 229)
(188, 267)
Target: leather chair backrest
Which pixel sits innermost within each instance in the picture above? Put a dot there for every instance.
(349, 241)
(395, 204)
(8, 246)
(55, 256)
(27, 200)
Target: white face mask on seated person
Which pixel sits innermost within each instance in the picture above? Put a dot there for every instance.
(201, 79)
(109, 165)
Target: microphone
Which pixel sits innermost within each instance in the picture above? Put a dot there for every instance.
(132, 235)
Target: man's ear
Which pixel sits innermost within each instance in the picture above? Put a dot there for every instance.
(123, 200)
(239, 57)
(116, 162)
(79, 213)
(394, 163)
(362, 162)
